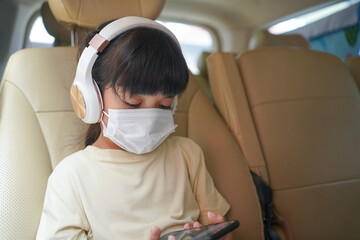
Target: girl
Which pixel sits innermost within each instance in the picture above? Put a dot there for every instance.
(131, 181)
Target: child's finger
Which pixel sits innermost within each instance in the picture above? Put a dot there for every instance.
(197, 225)
(171, 237)
(187, 226)
(154, 233)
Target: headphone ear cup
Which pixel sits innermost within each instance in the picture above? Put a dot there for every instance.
(87, 102)
(77, 101)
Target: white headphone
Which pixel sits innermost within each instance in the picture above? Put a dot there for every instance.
(85, 94)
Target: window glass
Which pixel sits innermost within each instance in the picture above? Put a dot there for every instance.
(194, 40)
(38, 36)
(309, 18)
(348, 38)
(333, 29)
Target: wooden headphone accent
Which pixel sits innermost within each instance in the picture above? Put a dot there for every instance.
(77, 101)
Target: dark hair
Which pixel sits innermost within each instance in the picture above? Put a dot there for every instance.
(141, 61)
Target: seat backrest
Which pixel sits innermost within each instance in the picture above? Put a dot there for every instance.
(263, 38)
(38, 128)
(296, 114)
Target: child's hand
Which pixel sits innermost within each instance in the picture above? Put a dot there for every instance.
(155, 234)
(187, 226)
(213, 219)
(155, 231)
(216, 218)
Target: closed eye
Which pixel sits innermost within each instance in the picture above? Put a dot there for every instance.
(164, 107)
(133, 105)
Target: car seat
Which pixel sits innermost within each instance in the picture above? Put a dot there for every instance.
(39, 128)
(353, 64)
(295, 114)
(262, 38)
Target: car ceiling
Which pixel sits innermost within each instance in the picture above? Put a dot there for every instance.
(238, 14)
(241, 13)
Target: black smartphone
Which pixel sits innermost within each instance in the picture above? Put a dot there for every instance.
(208, 232)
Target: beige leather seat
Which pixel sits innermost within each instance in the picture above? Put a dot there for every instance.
(263, 38)
(296, 115)
(38, 127)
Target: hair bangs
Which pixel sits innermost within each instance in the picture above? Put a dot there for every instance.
(151, 63)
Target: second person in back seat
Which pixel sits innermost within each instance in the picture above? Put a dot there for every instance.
(132, 181)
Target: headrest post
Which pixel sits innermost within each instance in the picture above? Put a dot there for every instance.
(72, 35)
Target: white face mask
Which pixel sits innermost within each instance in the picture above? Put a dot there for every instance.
(139, 130)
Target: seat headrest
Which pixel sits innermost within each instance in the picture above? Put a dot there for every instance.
(201, 63)
(92, 13)
(263, 38)
(53, 27)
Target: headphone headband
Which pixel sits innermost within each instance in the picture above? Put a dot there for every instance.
(121, 25)
(85, 95)
(117, 27)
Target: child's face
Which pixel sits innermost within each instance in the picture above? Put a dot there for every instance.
(113, 101)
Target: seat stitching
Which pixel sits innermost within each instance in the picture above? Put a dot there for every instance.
(140, 7)
(318, 185)
(304, 99)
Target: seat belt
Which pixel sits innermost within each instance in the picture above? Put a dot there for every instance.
(264, 192)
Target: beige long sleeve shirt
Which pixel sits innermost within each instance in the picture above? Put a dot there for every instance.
(113, 194)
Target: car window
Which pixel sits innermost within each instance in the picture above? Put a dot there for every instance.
(37, 35)
(194, 40)
(348, 38)
(333, 29)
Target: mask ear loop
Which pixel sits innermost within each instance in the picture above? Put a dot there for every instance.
(174, 104)
(104, 113)
(102, 117)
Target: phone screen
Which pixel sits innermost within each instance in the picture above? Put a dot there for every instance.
(208, 232)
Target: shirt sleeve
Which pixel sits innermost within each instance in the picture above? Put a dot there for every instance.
(207, 196)
(63, 216)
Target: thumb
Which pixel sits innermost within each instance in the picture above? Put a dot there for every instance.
(215, 218)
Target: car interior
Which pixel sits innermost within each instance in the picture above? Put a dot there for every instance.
(261, 102)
